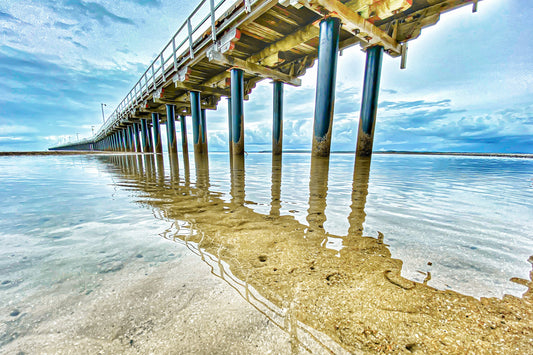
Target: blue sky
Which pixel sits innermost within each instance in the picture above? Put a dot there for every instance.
(467, 86)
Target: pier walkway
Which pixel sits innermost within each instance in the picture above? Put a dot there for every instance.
(224, 48)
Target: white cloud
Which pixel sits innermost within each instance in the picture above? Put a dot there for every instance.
(15, 129)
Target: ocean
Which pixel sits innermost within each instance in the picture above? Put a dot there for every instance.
(117, 253)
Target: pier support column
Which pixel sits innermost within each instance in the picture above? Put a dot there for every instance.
(171, 130)
(126, 139)
(150, 138)
(123, 144)
(237, 111)
(184, 142)
(157, 133)
(203, 131)
(325, 86)
(144, 134)
(136, 131)
(369, 102)
(196, 112)
(114, 142)
(230, 128)
(131, 142)
(277, 119)
(118, 138)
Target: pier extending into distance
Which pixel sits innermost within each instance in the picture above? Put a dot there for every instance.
(224, 48)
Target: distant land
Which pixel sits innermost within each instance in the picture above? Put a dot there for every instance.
(506, 155)
(467, 154)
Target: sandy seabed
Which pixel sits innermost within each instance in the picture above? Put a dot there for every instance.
(174, 307)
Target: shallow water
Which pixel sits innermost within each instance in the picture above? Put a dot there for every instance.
(295, 238)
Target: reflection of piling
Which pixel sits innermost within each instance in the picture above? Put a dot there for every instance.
(275, 204)
(160, 168)
(174, 169)
(201, 162)
(149, 165)
(238, 180)
(132, 164)
(186, 169)
(357, 216)
(318, 190)
(140, 164)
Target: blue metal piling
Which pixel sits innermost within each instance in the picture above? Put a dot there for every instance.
(277, 119)
(157, 133)
(369, 102)
(171, 130)
(325, 86)
(144, 134)
(237, 111)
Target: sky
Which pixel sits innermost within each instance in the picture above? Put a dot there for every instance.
(468, 86)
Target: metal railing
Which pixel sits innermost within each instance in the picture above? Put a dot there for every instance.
(174, 55)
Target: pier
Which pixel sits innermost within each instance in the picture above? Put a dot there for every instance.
(225, 48)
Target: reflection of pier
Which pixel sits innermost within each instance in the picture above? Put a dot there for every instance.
(356, 295)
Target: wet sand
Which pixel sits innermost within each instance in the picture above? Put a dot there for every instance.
(356, 295)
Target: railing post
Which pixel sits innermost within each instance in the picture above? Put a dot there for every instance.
(174, 54)
(162, 66)
(189, 29)
(213, 26)
(153, 76)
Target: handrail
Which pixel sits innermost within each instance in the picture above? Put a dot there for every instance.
(157, 68)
